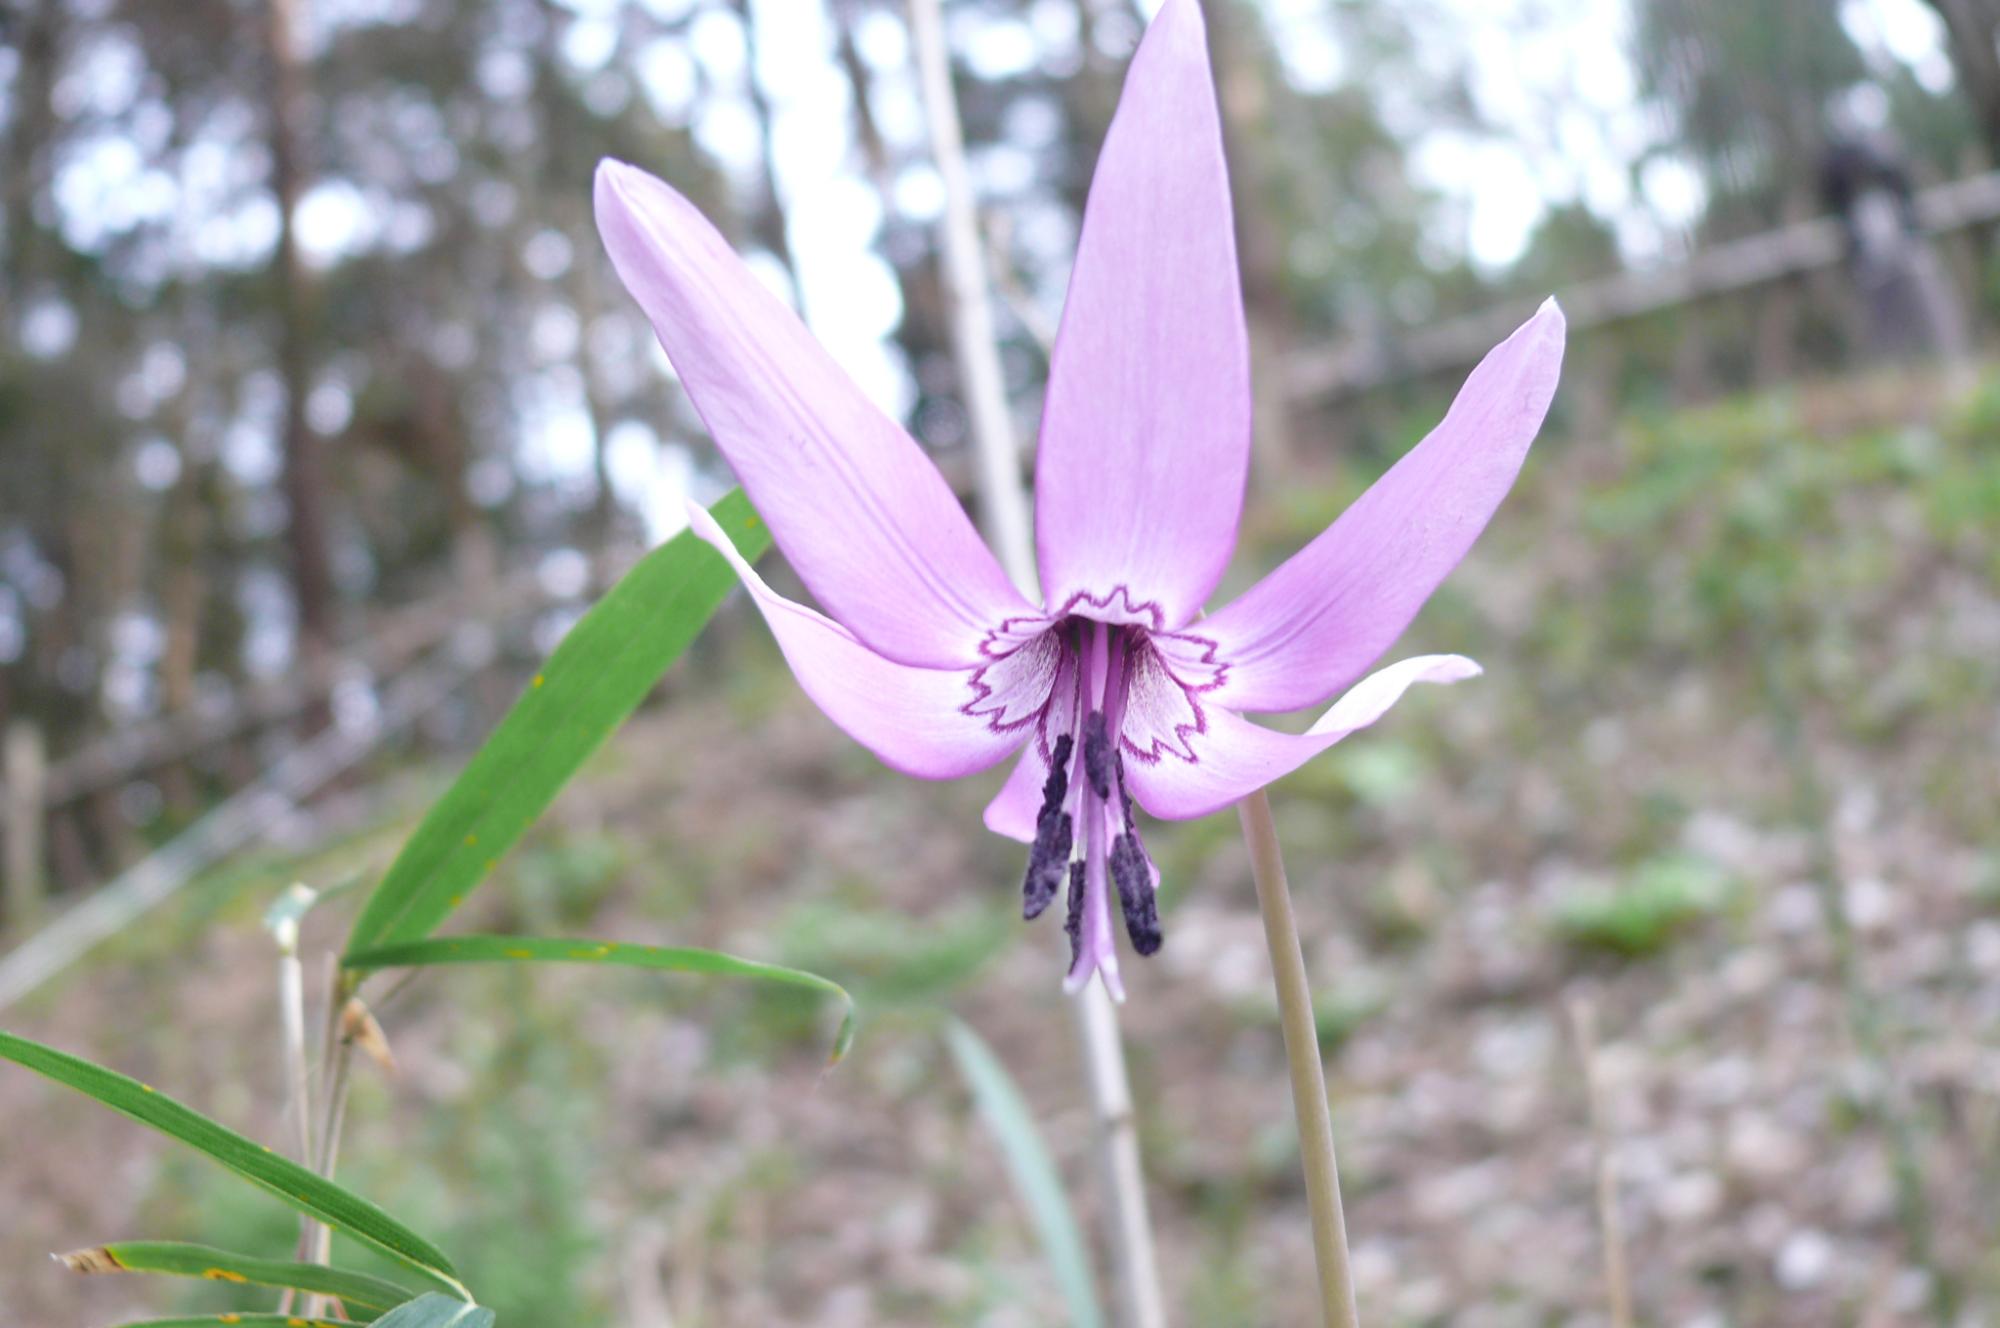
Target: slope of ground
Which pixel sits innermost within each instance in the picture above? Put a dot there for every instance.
(1729, 779)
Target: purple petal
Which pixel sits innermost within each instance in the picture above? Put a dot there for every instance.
(1314, 625)
(859, 510)
(1014, 808)
(914, 719)
(1146, 428)
(1235, 756)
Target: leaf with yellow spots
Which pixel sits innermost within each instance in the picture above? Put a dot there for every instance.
(550, 950)
(614, 655)
(303, 1189)
(358, 1291)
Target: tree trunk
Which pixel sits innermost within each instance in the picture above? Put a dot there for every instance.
(305, 470)
(31, 125)
(1975, 55)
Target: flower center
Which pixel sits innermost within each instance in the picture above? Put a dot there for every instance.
(1085, 834)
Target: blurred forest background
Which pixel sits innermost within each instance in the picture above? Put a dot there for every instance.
(316, 384)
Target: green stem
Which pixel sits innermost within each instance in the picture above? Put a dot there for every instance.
(1295, 1015)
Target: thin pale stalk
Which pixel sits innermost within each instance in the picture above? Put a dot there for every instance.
(1295, 1017)
(319, 1238)
(1617, 1283)
(336, 1053)
(292, 1015)
(1003, 506)
(1004, 511)
(292, 1020)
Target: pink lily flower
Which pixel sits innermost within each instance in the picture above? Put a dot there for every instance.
(1115, 688)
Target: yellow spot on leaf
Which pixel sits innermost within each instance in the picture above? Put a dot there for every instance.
(539, 680)
(229, 1318)
(149, 1088)
(456, 900)
(470, 840)
(222, 1275)
(519, 954)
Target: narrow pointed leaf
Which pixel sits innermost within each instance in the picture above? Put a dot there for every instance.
(245, 1318)
(435, 1311)
(1034, 1173)
(604, 667)
(544, 949)
(355, 1290)
(304, 1190)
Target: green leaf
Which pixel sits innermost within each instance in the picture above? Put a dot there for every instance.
(180, 1260)
(1034, 1172)
(304, 1190)
(435, 1311)
(544, 949)
(614, 655)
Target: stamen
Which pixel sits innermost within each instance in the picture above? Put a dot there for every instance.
(1134, 878)
(1097, 755)
(1074, 924)
(1046, 860)
(1056, 787)
(1135, 894)
(1054, 834)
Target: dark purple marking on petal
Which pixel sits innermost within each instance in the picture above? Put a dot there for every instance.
(1012, 689)
(1163, 712)
(1100, 608)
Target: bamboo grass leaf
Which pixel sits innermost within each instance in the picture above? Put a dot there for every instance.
(355, 1290)
(435, 1311)
(244, 1318)
(1034, 1172)
(302, 1189)
(604, 667)
(543, 949)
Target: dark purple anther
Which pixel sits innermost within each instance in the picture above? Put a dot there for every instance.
(1135, 894)
(1046, 860)
(1097, 755)
(1054, 833)
(1074, 924)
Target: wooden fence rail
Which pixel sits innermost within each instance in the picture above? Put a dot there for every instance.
(1325, 374)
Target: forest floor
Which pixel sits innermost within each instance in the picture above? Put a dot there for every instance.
(1730, 780)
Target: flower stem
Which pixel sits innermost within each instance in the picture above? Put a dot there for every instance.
(1140, 1302)
(1295, 1015)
